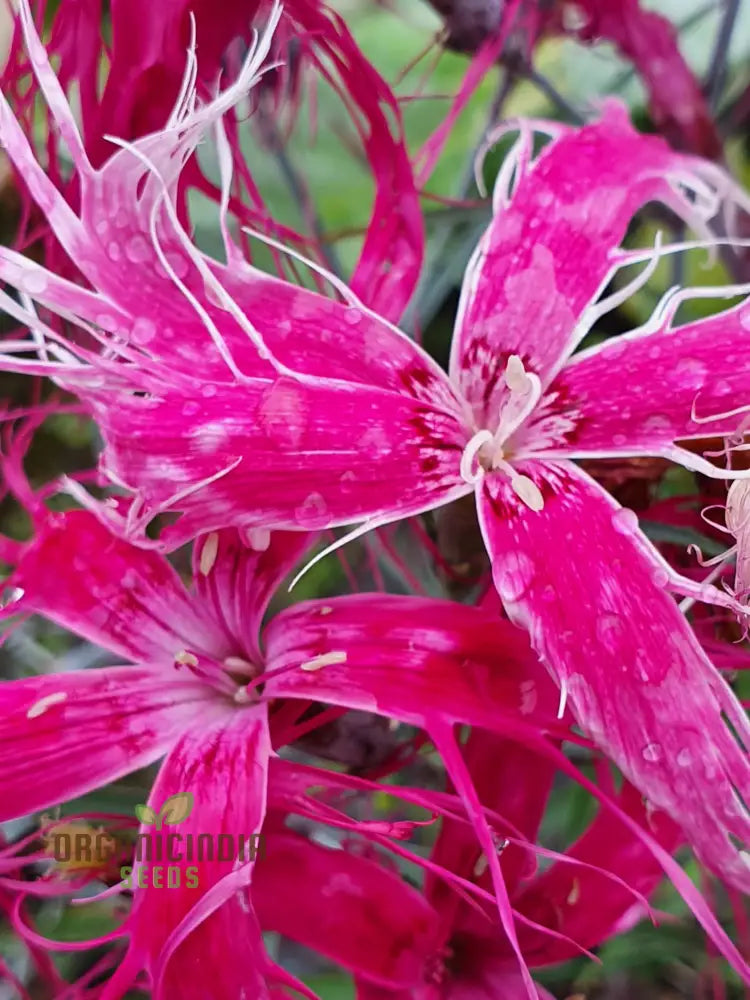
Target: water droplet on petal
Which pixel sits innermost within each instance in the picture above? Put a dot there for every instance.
(513, 576)
(353, 316)
(618, 440)
(209, 390)
(137, 250)
(33, 282)
(144, 331)
(684, 758)
(190, 408)
(658, 423)
(610, 628)
(691, 372)
(178, 263)
(313, 511)
(625, 521)
(745, 318)
(652, 753)
(114, 251)
(282, 412)
(660, 577)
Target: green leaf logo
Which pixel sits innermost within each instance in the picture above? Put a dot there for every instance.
(176, 809)
(145, 814)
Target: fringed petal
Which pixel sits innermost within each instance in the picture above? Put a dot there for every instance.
(548, 254)
(626, 659)
(224, 456)
(672, 383)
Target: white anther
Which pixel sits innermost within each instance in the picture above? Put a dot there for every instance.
(324, 660)
(208, 553)
(516, 377)
(528, 491)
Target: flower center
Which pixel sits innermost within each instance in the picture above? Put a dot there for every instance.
(488, 452)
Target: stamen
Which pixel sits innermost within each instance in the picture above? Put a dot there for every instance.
(324, 660)
(41, 706)
(527, 490)
(515, 375)
(208, 553)
(186, 659)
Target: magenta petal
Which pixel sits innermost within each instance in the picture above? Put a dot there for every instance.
(224, 457)
(359, 914)
(63, 734)
(224, 768)
(237, 573)
(414, 659)
(547, 255)
(577, 577)
(582, 902)
(123, 598)
(664, 378)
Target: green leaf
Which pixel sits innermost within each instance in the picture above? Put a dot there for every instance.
(145, 813)
(176, 808)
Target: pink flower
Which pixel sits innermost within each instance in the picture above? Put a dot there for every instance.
(199, 693)
(237, 399)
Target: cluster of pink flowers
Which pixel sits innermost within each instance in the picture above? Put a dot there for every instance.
(246, 416)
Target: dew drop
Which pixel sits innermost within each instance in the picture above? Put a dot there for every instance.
(190, 408)
(625, 521)
(282, 412)
(114, 251)
(312, 512)
(209, 390)
(353, 316)
(619, 440)
(658, 423)
(137, 250)
(691, 372)
(513, 576)
(178, 264)
(660, 577)
(684, 758)
(652, 753)
(33, 282)
(609, 629)
(144, 331)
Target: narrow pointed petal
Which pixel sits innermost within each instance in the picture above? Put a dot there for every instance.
(582, 902)
(224, 768)
(359, 914)
(412, 659)
(636, 677)
(547, 254)
(237, 573)
(223, 457)
(128, 600)
(64, 734)
(665, 379)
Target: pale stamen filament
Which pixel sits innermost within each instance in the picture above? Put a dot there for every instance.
(485, 451)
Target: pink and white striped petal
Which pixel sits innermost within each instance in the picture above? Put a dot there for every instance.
(577, 576)
(236, 574)
(286, 454)
(547, 255)
(62, 735)
(223, 766)
(414, 659)
(126, 599)
(669, 384)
